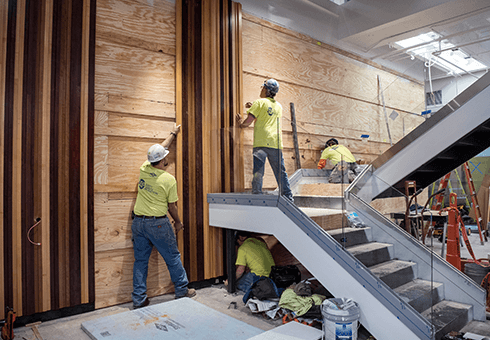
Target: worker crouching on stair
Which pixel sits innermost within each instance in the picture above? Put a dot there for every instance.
(345, 166)
(266, 112)
(157, 196)
(253, 261)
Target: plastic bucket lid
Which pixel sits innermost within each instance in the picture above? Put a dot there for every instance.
(340, 310)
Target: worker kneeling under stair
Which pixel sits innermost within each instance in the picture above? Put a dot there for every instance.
(345, 166)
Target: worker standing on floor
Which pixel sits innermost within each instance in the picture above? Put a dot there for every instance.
(157, 196)
(342, 159)
(266, 112)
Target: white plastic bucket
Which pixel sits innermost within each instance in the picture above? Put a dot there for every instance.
(340, 319)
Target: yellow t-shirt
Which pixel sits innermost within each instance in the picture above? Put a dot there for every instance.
(255, 255)
(268, 115)
(156, 189)
(335, 153)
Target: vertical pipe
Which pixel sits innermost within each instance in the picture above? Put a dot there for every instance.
(297, 156)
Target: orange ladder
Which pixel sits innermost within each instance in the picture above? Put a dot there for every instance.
(474, 200)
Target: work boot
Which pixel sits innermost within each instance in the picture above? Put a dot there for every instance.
(191, 292)
(144, 304)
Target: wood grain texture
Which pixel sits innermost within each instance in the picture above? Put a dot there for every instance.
(137, 24)
(17, 159)
(118, 103)
(127, 71)
(45, 151)
(3, 59)
(114, 279)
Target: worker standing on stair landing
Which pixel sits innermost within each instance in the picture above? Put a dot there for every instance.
(157, 196)
(342, 159)
(266, 112)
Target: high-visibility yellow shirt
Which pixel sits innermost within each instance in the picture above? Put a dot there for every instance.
(267, 126)
(337, 153)
(255, 255)
(156, 189)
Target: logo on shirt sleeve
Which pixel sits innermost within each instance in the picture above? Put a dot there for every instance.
(141, 184)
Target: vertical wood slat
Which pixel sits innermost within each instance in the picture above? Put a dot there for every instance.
(3, 58)
(178, 115)
(84, 123)
(45, 158)
(17, 159)
(208, 98)
(33, 35)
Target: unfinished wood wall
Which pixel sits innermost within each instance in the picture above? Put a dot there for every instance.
(335, 93)
(147, 80)
(134, 109)
(46, 146)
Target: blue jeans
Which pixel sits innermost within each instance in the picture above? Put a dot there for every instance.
(245, 282)
(277, 164)
(149, 232)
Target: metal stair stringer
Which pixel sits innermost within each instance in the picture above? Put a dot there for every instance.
(340, 272)
(457, 286)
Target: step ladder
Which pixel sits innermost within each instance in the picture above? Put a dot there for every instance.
(474, 200)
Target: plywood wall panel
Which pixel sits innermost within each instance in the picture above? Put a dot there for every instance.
(137, 24)
(301, 62)
(134, 73)
(114, 276)
(124, 125)
(118, 103)
(113, 220)
(126, 157)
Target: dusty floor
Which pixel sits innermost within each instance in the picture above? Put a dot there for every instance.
(218, 298)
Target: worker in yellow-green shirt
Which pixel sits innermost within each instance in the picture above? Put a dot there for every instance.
(157, 197)
(266, 112)
(253, 260)
(345, 166)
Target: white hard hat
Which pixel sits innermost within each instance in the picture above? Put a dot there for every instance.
(156, 153)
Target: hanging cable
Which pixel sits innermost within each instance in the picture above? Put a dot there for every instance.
(35, 225)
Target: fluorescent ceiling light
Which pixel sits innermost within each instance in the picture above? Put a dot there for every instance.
(451, 59)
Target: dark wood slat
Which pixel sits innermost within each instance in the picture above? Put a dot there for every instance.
(74, 154)
(29, 127)
(8, 149)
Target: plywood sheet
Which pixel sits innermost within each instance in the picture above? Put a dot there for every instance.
(137, 24)
(119, 103)
(310, 65)
(128, 72)
(114, 278)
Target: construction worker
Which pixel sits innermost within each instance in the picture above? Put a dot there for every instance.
(254, 255)
(342, 159)
(157, 196)
(266, 112)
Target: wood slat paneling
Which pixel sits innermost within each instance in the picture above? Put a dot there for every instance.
(46, 97)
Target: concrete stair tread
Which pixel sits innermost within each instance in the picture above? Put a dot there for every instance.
(351, 236)
(420, 294)
(372, 253)
(447, 316)
(367, 247)
(394, 272)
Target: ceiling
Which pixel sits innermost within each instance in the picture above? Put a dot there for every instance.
(372, 27)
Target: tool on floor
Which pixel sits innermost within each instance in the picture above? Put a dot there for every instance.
(8, 326)
(232, 305)
(33, 326)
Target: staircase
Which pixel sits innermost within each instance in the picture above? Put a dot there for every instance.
(401, 287)
(404, 290)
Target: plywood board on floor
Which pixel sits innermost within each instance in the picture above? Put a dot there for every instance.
(178, 319)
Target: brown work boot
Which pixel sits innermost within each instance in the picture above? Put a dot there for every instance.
(191, 292)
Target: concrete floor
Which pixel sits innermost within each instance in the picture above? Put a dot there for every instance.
(218, 298)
